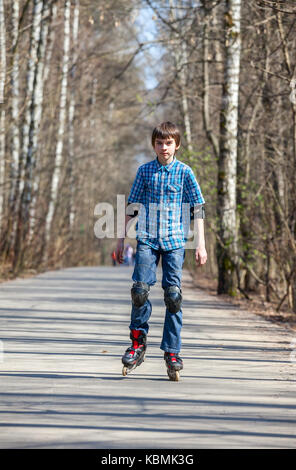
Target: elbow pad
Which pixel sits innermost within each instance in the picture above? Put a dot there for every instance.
(132, 209)
(197, 212)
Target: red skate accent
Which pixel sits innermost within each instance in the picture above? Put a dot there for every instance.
(136, 345)
(173, 359)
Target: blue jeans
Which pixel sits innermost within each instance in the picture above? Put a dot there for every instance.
(146, 262)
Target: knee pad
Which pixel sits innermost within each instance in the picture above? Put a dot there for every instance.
(139, 292)
(173, 298)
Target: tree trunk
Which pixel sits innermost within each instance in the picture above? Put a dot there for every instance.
(206, 87)
(62, 118)
(37, 107)
(7, 234)
(75, 29)
(15, 137)
(227, 164)
(24, 182)
(292, 76)
(51, 38)
(2, 107)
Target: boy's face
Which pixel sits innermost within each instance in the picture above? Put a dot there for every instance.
(165, 150)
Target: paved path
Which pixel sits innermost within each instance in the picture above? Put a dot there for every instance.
(63, 334)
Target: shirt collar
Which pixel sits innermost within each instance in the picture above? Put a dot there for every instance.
(167, 167)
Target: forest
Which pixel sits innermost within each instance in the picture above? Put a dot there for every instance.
(83, 83)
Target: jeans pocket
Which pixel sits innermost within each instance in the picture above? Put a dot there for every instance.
(145, 264)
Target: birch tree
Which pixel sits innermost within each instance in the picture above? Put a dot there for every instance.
(291, 271)
(37, 229)
(72, 104)
(2, 105)
(15, 137)
(24, 181)
(55, 181)
(37, 108)
(7, 234)
(31, 73)
(227, 248)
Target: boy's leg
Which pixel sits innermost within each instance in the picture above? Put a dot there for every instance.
(172, 264)
(146, 262)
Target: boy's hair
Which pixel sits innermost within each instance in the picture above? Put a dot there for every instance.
(164, 131)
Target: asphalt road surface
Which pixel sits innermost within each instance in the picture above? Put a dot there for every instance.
(62, 337)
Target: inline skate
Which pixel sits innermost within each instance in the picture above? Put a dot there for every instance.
(174, 364)
(134, 355)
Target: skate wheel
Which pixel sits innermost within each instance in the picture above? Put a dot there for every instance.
(124, 371)
(174, 375)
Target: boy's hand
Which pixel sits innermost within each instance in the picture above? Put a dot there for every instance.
(119, 251)
(201, 256)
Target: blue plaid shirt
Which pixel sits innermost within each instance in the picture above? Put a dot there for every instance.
(165, 195)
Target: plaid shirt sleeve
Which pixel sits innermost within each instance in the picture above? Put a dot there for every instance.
(192, 189)
(138, 187)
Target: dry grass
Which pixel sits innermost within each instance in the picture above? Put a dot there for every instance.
(257, 304)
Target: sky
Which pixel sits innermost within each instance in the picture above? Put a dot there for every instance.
(147, 32)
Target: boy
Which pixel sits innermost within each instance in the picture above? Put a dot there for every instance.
(162, 188)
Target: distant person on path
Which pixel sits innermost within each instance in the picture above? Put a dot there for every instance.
(162, 188)
(129, 255)
(113, 256)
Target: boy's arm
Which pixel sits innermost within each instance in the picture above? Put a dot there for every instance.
(135, 196)
(120, 242)
(200, 252)
(195, 197)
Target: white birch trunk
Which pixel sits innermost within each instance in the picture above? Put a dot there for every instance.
(37, 106)
(62, 117)
(21, 219)
(2, 52)
(75, 30)
(32, 64)
(2, 106)
(50, 35)
(228, 150)
(15, 137)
